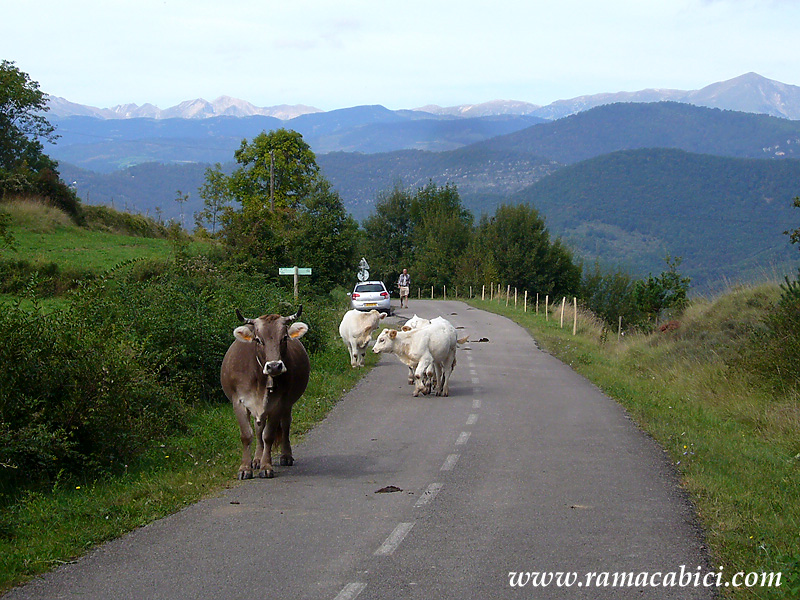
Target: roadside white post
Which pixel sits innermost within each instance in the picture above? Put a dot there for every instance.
(515, 297)
(574, 315)
(508, 293)
(526, 301)
(296, 271)
(546, 303)
(563, 302)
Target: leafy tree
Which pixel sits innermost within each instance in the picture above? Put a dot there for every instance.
(610, 295)
(215, 194)
(477, 265)
(524, 255)
(323, 236)
(21, 121)
(181, 199)
(441, 234)
(388, 242)
(293, 177)
(657, 294)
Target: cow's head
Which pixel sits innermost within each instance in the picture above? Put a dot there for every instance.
(270, 336)
(385, 341)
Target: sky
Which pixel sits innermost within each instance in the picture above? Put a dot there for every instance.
(337, 54)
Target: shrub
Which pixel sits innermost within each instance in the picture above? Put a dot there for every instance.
(779, 346)
(75, 398)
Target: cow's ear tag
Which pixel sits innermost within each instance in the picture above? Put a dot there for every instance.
(298, 330)
(244, 333)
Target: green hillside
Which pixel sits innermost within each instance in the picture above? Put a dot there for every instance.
(724, 216)
(630, 126)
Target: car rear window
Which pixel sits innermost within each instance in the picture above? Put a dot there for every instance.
(369, 287)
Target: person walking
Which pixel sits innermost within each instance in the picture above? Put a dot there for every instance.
(404, 283)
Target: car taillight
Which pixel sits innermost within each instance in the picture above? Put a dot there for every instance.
(384, 294)
(355, 295)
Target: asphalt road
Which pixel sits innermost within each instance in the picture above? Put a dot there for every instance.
(526, 467)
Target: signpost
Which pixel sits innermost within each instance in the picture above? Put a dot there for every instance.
(363, 270)
(296, 271)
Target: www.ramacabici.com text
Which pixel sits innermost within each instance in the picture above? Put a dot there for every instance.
(682, 577)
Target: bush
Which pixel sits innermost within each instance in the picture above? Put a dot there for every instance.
(75, 398)
(46, 279)
(778, 349)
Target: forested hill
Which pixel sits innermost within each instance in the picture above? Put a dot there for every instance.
(724, 216)
(630, 126)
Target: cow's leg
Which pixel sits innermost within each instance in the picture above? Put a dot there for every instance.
(353, 348)
(361, 351)
(270, 434)
(287, 460)
(259, 453)
(420, 377)
(447, 371)
(410, 375)
(243, 418)
(434, 372)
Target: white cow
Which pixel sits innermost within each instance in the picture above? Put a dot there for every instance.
(356, 330)
(416, 322)
(429, 351)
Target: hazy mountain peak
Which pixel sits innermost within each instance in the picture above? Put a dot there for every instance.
(484, 109)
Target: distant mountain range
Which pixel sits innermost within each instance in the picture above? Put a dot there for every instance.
(747, 93)
(624, 183)
(224, 106)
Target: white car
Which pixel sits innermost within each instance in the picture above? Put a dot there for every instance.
(369, 295)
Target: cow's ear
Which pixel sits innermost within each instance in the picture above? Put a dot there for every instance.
(298, 330)
(406, 328)
(244, 333)
(392, 333)
(383, 315)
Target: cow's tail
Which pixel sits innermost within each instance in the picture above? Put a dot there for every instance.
(278, 440)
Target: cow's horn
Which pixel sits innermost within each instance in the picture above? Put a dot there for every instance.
(242, 319)
(297, 314)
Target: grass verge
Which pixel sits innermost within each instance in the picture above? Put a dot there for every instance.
(735, 443)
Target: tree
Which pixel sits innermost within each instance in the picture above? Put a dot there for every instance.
(523, 254)
(258, 187)
(441, 234)
(181, 199)
(215, 194)
(388, 235)
(21, 121)
(324, 237)
(654, 295)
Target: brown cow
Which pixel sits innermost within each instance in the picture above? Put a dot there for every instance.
(264, 372)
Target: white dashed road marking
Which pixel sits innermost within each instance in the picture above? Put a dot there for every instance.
(463, 437)
(429, 494)
(450, 462)
(394, 539)
(472, 419)
(350, 591)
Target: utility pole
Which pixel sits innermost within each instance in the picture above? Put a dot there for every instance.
(272, 180)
